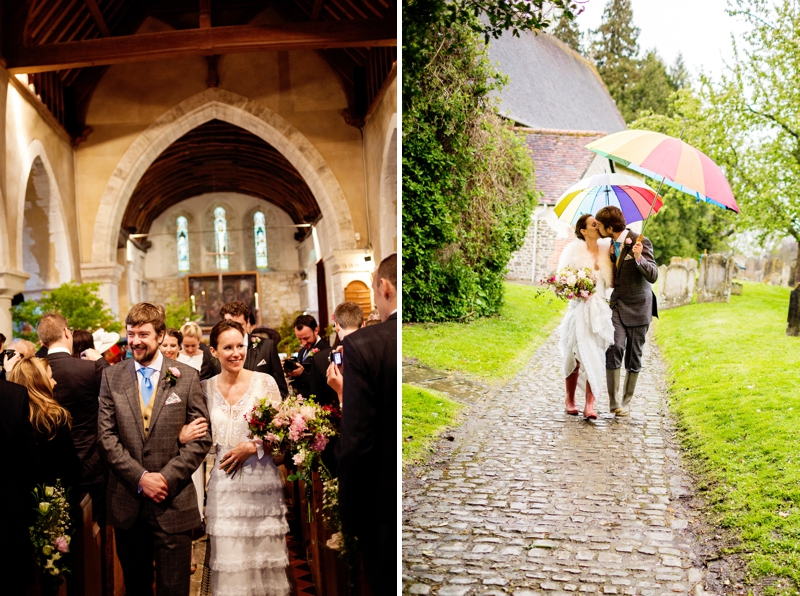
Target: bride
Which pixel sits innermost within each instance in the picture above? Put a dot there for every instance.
(245, 508)
(586, 331)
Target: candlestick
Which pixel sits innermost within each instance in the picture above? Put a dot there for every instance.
(193, 305)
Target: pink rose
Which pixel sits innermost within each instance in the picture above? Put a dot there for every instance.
(61, 544)
(298, 459)
(270, 438)
(319, 442)
(297, 427)
(628, 241)
(175, 372)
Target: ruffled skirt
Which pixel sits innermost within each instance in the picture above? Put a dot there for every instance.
(586, 334)
(246, 522)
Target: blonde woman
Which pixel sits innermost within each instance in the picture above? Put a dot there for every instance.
(57, 457)
(23, 349)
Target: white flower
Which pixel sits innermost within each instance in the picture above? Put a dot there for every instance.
(298, 459)
(48, 491)
(571, 280)
(581, 275)
(335, 542)
(44, 507)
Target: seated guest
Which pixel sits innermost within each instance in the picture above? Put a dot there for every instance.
(77, 390)
(261, 355)
(57, 458)
(171, 344)
(309, 376)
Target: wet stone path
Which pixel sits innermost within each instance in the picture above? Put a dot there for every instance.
(528, 500)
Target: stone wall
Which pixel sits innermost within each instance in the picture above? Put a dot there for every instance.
(553, 235)
(279, 294)
(161, 290)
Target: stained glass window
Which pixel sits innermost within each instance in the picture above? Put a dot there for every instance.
(221, 237)
(260, 231)
(183, 244)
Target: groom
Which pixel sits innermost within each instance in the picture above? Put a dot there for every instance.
(151, 502)
(632, 304)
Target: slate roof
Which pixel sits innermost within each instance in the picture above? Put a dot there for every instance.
(561, 158)
(550, 86)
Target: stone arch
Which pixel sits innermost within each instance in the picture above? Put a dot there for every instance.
(38, 173)
(388, 192)
(4, 257)
(336, 224)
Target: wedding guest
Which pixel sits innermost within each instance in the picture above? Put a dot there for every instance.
(17, 567)
(77, 388)
(373, 318)
(151, 502)
(369, 436)
(313, 357)
(261, 355)
(246, 515)
(82, 340)
(55, 449)
(171, 344)
(347, 318)
(23, 349)
(191, 353)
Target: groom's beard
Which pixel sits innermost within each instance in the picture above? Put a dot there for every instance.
(147, 356)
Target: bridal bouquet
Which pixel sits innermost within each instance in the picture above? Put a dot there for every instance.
(298, 426)
(50, 535)
(571, 284)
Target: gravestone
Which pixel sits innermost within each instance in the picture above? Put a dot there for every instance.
(750, 269)
(793, 325)
(674, 260)
(786, 275)
(691, 264)
(773, 271)
(736, 288)
(716, 273)
(676, 289)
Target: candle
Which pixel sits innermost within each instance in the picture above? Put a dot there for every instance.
(194, 309)
(256, 296)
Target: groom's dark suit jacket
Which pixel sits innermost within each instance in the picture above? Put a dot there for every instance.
(633, 296)
(128, 453)
(264, 358)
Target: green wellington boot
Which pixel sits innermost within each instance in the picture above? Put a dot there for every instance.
(612, 381)
(630, 386)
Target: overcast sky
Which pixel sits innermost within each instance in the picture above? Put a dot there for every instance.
(700, 29)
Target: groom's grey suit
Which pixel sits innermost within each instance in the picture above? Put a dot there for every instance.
(146, 529)
(633, 306)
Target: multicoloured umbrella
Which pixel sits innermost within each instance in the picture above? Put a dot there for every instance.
(592, 193)
(668, 160)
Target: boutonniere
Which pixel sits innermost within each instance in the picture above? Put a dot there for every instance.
(628, 241)
(172, 376)
(313, 351)
(255, 341)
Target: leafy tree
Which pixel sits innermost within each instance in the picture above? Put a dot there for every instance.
(78, 303)
(567, 31)
(615, 51)
(178, 312)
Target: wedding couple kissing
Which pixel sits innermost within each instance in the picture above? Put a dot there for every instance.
(598, 332)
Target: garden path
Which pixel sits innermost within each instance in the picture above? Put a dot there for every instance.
(528, 500)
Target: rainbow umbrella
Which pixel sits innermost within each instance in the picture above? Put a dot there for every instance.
(669, 160)
(592, 193)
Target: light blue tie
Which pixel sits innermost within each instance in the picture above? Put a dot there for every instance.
(616, 248)
(147, 384)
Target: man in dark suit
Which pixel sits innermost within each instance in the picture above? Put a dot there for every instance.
(144, 404)
(261, 354)
(77, 389)
(368, 444)
(633, 304)
(16, 436)
(309, 378)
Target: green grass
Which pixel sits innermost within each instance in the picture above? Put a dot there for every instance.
(425, 415)
(736, 393)
(492, 349)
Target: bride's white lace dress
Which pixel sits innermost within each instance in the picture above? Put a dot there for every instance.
(246, 515)
(587, 330)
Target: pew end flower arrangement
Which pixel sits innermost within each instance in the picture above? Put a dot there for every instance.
(50, 535)
(571, 284)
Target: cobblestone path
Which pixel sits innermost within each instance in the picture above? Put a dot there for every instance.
(527, 500)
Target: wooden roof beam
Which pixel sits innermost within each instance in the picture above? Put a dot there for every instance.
(214, 40)
(98, 17)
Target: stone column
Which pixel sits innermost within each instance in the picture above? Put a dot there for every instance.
(345, 266)
(108, 276)
(11, 283)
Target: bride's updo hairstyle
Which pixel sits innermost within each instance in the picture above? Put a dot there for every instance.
(220, 328)
(581, 225)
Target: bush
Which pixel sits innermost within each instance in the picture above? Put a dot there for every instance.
(178, 313)
(78, 303)
(468, 187)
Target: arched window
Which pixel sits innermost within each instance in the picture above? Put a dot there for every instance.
(221, 237)
(260, 232)
(183, 244)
